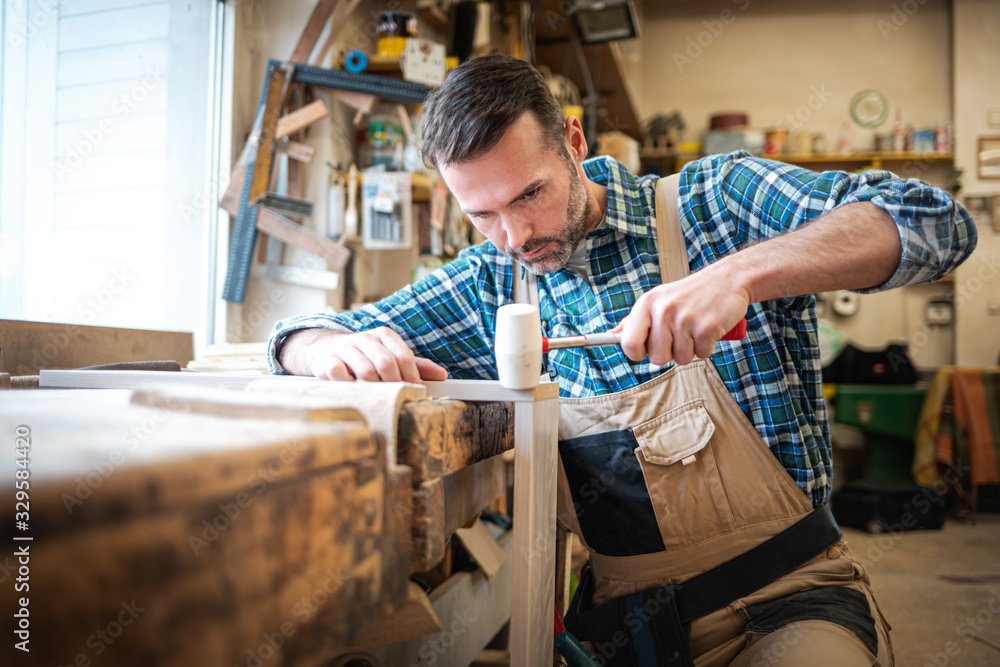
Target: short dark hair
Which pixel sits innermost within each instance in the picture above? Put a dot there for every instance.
(477, 104)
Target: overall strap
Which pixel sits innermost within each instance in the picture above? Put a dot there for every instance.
(669, 238)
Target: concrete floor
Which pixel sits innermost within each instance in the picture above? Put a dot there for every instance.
(936, 622)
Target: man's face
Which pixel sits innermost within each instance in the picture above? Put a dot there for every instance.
(526, 197)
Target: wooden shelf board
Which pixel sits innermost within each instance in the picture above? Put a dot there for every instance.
(654, 153)
(860, 157)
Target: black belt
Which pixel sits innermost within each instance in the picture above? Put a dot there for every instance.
(665, 635)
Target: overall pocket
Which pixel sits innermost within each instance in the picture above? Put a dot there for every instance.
(681, 475)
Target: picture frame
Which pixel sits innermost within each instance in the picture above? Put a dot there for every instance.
(988, 158)
(984, 212)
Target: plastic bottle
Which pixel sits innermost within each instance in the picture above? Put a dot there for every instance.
(845, 138)
(898, 134)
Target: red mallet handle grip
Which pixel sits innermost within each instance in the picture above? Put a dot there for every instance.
(738, 332)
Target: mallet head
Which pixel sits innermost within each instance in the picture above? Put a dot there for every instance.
(518, 346)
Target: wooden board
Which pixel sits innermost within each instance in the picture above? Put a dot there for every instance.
(302, 237)
(296, 150)
(300, 119)
(243, 405)
(314, 28)
(472, 610)
(276, 80)
(489, 556)
(415, 619)
(30, 346)
(335, 28)
(446, 435)
(490, 390)
(134, 379)
(535, 463)
(442, 506)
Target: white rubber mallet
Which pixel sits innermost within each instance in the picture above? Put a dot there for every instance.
(519, 344)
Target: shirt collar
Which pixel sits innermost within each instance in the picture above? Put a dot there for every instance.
(630, 205)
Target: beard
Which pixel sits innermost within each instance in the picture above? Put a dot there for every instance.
(573, 230)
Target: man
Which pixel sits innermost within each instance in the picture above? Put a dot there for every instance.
(678, 453)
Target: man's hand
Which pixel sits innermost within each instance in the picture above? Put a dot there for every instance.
(379, 355)
(684, 319)
(854, 246)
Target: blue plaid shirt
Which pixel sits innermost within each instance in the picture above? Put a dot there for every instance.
(727, 202)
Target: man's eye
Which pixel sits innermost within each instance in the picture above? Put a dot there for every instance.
(530, 194)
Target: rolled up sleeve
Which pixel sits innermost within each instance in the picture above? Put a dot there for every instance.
(765, 198)
(936, 232)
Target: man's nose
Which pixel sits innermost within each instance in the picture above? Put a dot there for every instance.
(518, 233)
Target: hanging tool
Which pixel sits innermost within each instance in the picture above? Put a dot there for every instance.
(569, 647)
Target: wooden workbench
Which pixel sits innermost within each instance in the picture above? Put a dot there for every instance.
(273, 525)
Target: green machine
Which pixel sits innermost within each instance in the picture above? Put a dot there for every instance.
(888, 415)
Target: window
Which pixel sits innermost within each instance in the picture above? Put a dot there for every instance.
(109, 126)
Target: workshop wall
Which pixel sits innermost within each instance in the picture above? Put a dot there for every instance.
(267, 30)
(977, 89)
(797, 65)
(771, 57)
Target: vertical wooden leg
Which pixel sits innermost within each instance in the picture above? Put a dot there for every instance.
(535, 451)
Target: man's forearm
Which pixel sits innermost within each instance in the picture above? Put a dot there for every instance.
(293, 355)
(855, 246)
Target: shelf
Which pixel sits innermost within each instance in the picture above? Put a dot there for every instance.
(861, 157)
(659, 153)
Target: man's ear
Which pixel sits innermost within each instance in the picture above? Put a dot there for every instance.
(576, 141)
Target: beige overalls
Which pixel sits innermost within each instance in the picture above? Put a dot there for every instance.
(716, 491)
